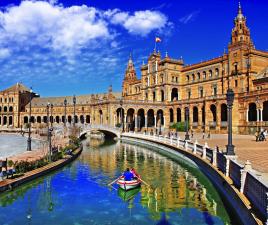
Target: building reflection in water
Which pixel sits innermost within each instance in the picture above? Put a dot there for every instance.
(172, 187)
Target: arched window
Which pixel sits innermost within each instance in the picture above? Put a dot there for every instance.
(216, 72)
(198, 76)
(171, 116)
(174, 94)
(193, 77)
(204, 75)
(162, 96)
(188, 78)
(5, 108)
(10, 109)
(210, 73)
(252, 112)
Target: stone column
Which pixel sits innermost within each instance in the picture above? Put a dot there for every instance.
(199, 117)
(164, 118)
(136, 123)
(247, 115)
(218, 117)
(261, 114)
(155, 122)
(182, 114)
(258, 115)
(145, 121)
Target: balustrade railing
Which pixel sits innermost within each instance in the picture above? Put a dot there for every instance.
(246, 182)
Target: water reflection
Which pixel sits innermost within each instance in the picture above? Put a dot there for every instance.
(78, 194)
(172, 187)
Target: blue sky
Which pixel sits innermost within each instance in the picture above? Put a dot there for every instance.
(65, 47)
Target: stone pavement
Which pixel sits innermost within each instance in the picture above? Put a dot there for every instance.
(246, 148)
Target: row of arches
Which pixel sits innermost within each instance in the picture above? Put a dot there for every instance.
(204, 74)
(139, 119)
(57, 119)
(6, 109)
(255, 114)
(6, 121)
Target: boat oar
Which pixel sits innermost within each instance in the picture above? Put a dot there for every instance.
(143, 182)
(113, 181)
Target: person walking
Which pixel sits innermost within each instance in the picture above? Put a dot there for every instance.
(209, 134)
(203, 134)
(257, 135)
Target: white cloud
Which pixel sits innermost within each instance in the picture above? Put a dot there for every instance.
(4, 53)
(45, 24)
(141, 22)
(189, 17)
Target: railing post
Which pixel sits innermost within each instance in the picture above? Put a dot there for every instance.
(214, 156)
(227, 168)
(244, 171)
(186, 145)
(204, 151)
(178, 141)
(171, 139)
(195, 146)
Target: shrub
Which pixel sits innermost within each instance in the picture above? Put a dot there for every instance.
(118, 125)
(179, 126)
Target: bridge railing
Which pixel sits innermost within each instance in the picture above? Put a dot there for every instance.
(243, 176)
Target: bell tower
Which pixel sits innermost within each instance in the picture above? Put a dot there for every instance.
(130, 77)
(240, 32)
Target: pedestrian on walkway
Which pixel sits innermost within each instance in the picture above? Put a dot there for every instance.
(203, 134)
(209, 134)
(257, 135)
(192, 133)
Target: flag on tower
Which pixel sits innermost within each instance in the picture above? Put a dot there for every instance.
(158, 39)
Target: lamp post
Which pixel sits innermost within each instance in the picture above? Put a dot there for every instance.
(187, 137)
(122, 119)
(74, 102)
(51, 115)
(65, 105)
(29, 140)
(49, 129)
(48, 105)
(230, 100)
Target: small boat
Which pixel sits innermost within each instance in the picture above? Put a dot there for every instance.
(127, 185)
(128, 195)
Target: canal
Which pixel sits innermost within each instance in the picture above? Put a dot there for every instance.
(78, 194)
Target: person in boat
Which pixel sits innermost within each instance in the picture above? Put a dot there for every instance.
(135, 174)
(128, 176)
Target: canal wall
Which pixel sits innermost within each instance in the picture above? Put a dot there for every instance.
(246, 196)
(9, 184)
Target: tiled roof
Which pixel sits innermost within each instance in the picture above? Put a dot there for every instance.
(80, 99)
(16, 88)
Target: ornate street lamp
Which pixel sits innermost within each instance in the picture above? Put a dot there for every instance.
(51, 114)
(65, 105)
(29, 141)
(122, 119)
(49, 129)
(230, 100)
(74, 102)
(48, 105)
(187, 137)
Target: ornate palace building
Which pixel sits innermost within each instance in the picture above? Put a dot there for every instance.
(166, 90)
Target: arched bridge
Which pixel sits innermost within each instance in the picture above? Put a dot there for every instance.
(107, 130)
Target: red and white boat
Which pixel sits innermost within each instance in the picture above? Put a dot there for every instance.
(127, 185)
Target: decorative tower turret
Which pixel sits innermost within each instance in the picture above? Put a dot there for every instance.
(130, 76)
(240, 33)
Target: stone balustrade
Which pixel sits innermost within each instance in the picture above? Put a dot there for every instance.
(241, 175)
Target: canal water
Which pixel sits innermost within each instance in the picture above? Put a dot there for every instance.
(13, 144)
(78, 194)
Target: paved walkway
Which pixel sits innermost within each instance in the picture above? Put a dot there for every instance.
(246, 148)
